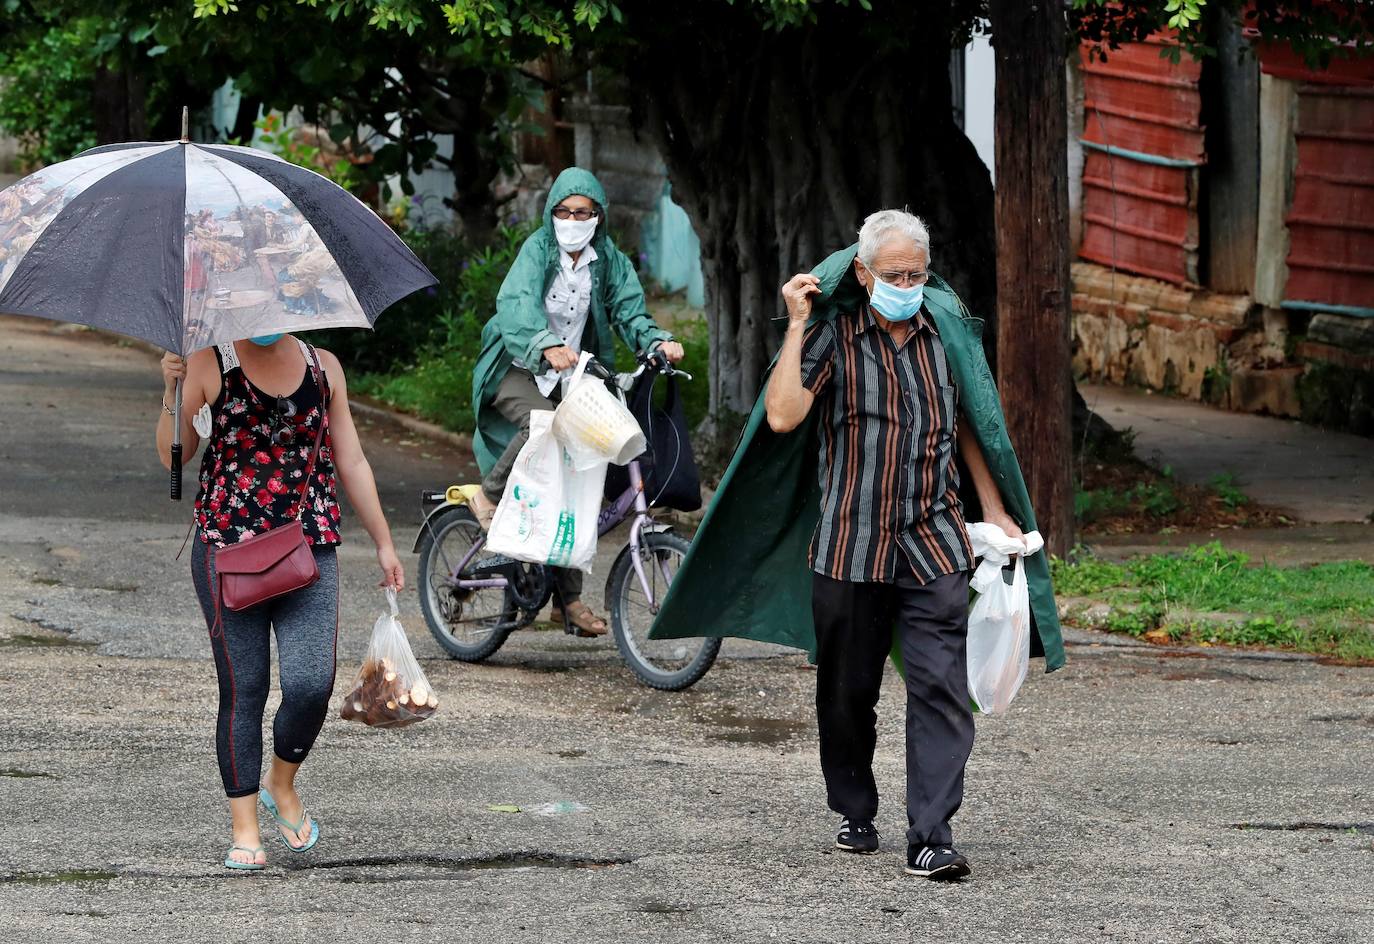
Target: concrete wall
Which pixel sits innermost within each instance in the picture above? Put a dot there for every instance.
(643, 215)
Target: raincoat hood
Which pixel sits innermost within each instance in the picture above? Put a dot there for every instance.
(518, 333)
(576, 182)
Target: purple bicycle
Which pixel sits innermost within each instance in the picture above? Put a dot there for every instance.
(473, 599)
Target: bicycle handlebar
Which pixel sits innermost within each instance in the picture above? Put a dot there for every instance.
(654, 360)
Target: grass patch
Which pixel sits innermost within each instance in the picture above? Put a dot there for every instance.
(1211, 595)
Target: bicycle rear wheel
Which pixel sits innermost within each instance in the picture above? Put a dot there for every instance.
(469, 624)
(666, 664)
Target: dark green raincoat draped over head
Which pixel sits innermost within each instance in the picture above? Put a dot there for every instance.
(519, 331)
(747, 573)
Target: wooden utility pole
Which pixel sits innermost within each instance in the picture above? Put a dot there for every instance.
(1032, 214)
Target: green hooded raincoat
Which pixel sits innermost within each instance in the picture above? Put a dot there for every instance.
(519, 331)
(747, 573)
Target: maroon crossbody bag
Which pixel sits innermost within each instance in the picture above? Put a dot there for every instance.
(278, 561)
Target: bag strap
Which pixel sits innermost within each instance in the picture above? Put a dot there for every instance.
(580, 369)
(319, 433)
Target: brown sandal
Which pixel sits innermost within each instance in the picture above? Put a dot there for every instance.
(588, 624)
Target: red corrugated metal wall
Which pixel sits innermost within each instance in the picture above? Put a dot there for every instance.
(1331, 219)
(1143, 143)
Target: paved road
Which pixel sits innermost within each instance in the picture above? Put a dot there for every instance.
(1138, 795)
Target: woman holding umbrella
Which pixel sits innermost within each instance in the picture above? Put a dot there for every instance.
(97, 240)
(268, 398)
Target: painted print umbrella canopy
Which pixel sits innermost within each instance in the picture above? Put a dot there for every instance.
(191, 245)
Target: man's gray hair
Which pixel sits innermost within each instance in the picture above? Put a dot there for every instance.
(885, 225)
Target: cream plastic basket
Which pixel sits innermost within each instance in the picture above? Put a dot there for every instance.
(593, 424)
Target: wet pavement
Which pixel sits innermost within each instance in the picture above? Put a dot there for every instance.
(1137, 795)
(1315, 475)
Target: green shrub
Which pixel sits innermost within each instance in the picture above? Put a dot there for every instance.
(1085, 576)
(438, 389)
(1231, 496)
(420, 326)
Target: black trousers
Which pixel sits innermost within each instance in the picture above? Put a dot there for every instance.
(854, 631)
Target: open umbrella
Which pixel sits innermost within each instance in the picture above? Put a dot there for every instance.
(192, 245)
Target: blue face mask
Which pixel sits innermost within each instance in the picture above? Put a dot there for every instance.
(896, 304)
(265, 340)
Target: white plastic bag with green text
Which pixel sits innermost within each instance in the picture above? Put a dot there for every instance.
(548, 514)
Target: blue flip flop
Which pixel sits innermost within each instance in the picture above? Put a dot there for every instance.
(270, 805)
(229, 863)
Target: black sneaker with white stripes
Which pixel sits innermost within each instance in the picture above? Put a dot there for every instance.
(857, 835)
(941, 863)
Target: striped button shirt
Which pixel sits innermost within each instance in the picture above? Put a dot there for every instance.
(888, 474)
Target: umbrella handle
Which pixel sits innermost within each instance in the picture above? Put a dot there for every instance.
(176, 446)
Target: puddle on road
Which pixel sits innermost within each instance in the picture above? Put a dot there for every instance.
(569, 754)
(30, 641)
(654, 906)
(720, 724)
(441, 868)
(1309, 826)
(25, 774)
(1213, 674)
(1339, 719)
(74, 876)
(746, 729)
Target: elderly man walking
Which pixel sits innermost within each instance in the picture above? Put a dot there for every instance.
(891, 380)
(891, 545)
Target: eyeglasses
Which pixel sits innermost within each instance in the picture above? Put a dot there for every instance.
(284, 435)
(905, 279)
(582, 214)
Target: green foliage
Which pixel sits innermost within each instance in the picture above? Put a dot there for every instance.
(437, 388)
(1213, 595)
(1225, 486)
(422, 355)
(45, 92)
(1135, 621)
(285, 142)
(1337, 397)
(1317, 31)
(1184, 13)
(1158, 499)
(1216, 382)
(1085, 576)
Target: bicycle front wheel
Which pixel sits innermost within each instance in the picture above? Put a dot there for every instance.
(666, 664)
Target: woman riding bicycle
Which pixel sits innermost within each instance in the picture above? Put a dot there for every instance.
(568, 290)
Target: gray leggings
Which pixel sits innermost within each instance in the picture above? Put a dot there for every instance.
(307, 624)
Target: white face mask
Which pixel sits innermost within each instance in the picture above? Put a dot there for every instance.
(573, 236)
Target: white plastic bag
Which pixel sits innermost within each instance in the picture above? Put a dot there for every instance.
(391, 690)
(999, 623)
(549, 512)
(595, 425)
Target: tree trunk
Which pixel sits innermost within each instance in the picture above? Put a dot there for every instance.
(476, 102)
(779, 155)
(1034, 372)
(118, 100)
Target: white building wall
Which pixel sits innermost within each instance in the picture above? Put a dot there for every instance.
(979, 97)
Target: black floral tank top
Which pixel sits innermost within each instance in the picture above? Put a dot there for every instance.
(256, 456)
